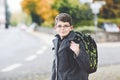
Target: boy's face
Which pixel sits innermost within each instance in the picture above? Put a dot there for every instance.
(63, 28)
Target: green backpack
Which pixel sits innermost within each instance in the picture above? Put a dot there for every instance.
(91, 49)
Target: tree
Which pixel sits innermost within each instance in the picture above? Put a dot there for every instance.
(29, 6)
(77, 11)
(45, 10)
(40, 10)
(111, 9)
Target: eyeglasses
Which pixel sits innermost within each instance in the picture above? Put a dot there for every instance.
(64, 26)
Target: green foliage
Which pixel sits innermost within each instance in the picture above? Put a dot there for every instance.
(86, 29)
(39, 10)
(13, 23)
(15, 18)
(62, 6)
(116, 21)
(77, 11)
(29, 6)
(116, 1)
(27, 19)
(81, 16)
(111, 9)
(46, 24)
(36, 18)
(86, 23)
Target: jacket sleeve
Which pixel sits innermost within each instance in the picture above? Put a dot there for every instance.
(83, 58)
(53, 71)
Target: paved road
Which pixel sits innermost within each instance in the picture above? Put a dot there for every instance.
(22, 54)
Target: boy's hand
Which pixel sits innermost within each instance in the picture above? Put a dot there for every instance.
(75, 47)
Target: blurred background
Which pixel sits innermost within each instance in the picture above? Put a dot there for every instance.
(27, 30)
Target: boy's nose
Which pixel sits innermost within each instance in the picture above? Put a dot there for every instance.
(62, 27)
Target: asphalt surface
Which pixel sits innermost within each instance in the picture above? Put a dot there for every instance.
(22, 54)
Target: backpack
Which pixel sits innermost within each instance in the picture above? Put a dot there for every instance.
(91, 49)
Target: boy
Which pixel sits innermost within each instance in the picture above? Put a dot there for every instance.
(71, 60)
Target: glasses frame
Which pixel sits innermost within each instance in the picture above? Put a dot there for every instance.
(64, 26)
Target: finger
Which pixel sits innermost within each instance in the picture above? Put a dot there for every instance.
(73, 42)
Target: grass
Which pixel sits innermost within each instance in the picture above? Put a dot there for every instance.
(87, 29)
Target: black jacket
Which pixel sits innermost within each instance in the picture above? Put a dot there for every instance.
(66, 65)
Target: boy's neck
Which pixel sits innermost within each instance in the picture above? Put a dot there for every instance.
(61, 38)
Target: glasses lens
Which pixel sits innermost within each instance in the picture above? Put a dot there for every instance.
(65, 26)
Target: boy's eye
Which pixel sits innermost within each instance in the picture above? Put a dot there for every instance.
(65, 26)
(59, 26)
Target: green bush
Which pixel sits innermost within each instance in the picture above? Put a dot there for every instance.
(81, 14)
(86, 29)
(13, 23)
(116, 21)
(85, 23)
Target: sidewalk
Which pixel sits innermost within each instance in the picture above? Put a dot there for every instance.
(106, 73)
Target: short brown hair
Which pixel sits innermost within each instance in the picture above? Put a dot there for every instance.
(63, 17)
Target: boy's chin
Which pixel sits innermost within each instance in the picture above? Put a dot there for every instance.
(63, 35)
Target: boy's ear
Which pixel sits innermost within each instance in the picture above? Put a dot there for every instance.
(71, 26)
(55, 27)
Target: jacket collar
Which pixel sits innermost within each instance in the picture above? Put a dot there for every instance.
(65, 42)
(70, 36)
